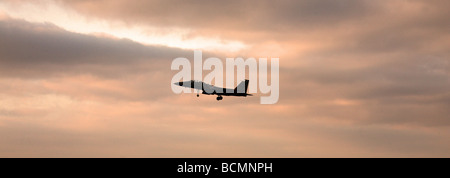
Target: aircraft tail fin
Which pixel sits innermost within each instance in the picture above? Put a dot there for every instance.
(242, 87)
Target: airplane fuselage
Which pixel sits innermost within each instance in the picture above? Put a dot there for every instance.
(207, 89)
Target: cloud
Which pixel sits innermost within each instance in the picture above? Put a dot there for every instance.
(357, 79)
(261, 21)
(232, 14)
(31, 47)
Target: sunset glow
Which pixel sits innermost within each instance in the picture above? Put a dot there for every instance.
(357, 78)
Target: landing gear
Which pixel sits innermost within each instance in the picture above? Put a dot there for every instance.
(219, 98)
(197, 93)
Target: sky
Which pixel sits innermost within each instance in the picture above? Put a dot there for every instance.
(358, 78)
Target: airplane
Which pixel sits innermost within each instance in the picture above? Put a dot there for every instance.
(207, 89)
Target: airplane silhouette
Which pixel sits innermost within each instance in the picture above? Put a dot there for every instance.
(207, 89)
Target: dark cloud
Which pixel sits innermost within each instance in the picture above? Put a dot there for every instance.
(280, 20)
(411, 89)
(229, 15)
(43, 49)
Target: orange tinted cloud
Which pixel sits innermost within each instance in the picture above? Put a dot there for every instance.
(357, 79)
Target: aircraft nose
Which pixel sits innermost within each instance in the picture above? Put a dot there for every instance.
(178, 83)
